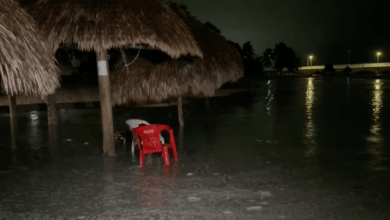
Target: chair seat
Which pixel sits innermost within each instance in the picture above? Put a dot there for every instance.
(154, 150)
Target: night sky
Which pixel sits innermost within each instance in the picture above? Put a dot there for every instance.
(326, 29)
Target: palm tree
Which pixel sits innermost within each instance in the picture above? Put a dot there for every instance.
(285, 57)
(248, 50)
(280, 56)
(267, 58)
(252, 63)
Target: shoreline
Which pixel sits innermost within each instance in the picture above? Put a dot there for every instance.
(87, 101)
(87, 96)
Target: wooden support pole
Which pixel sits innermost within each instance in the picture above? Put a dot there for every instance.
(13, 119)
(52, 110)
(105, 103)
(12, 106)
(180, 111)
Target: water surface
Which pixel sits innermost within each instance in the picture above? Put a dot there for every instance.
(311, 148)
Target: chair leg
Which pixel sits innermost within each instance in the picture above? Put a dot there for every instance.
(172, 144)
(132, 147)
(134, 142)
(165, 156)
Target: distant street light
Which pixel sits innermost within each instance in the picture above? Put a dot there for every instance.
(378, 54)
(311, 60)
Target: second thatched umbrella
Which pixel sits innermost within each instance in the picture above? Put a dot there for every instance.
(151, 79)
(103, 24)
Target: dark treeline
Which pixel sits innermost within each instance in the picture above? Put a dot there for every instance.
(280, 59)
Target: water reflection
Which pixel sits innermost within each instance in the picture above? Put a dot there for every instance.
(376, 146)
(154, 187)
(53, 142)
(377, 103)
(269, 97)
(34, 136)
(112, 193)
(309, 95)
(310, 129)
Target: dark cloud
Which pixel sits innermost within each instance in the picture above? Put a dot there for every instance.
(326, 29)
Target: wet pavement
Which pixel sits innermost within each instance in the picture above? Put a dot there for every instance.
(312, 148)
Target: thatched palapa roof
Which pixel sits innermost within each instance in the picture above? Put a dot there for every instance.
(27, 66)
(95, 25)
(148, 80)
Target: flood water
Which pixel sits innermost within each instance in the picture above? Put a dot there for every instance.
(309, 148)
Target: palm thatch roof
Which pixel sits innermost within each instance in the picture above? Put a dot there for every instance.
(103, 24)
(27, 66)
(155, 78)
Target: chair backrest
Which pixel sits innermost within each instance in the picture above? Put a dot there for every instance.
(170, 132)
(133, 123)
(150, 136)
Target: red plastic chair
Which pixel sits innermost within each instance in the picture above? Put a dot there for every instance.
(148, 138)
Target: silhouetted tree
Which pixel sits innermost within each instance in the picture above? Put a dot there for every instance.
(213, 27)
(285, 57)
(291, 60)
(328, 69)
(248, 50)
(280, 56)
(267, 58)
(252, 64)
(297, 63)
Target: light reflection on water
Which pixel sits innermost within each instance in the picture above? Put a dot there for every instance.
(269, 97)
(310, 129)
(377, 100)
(35, 135)
(309, 96)
(376, 148)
